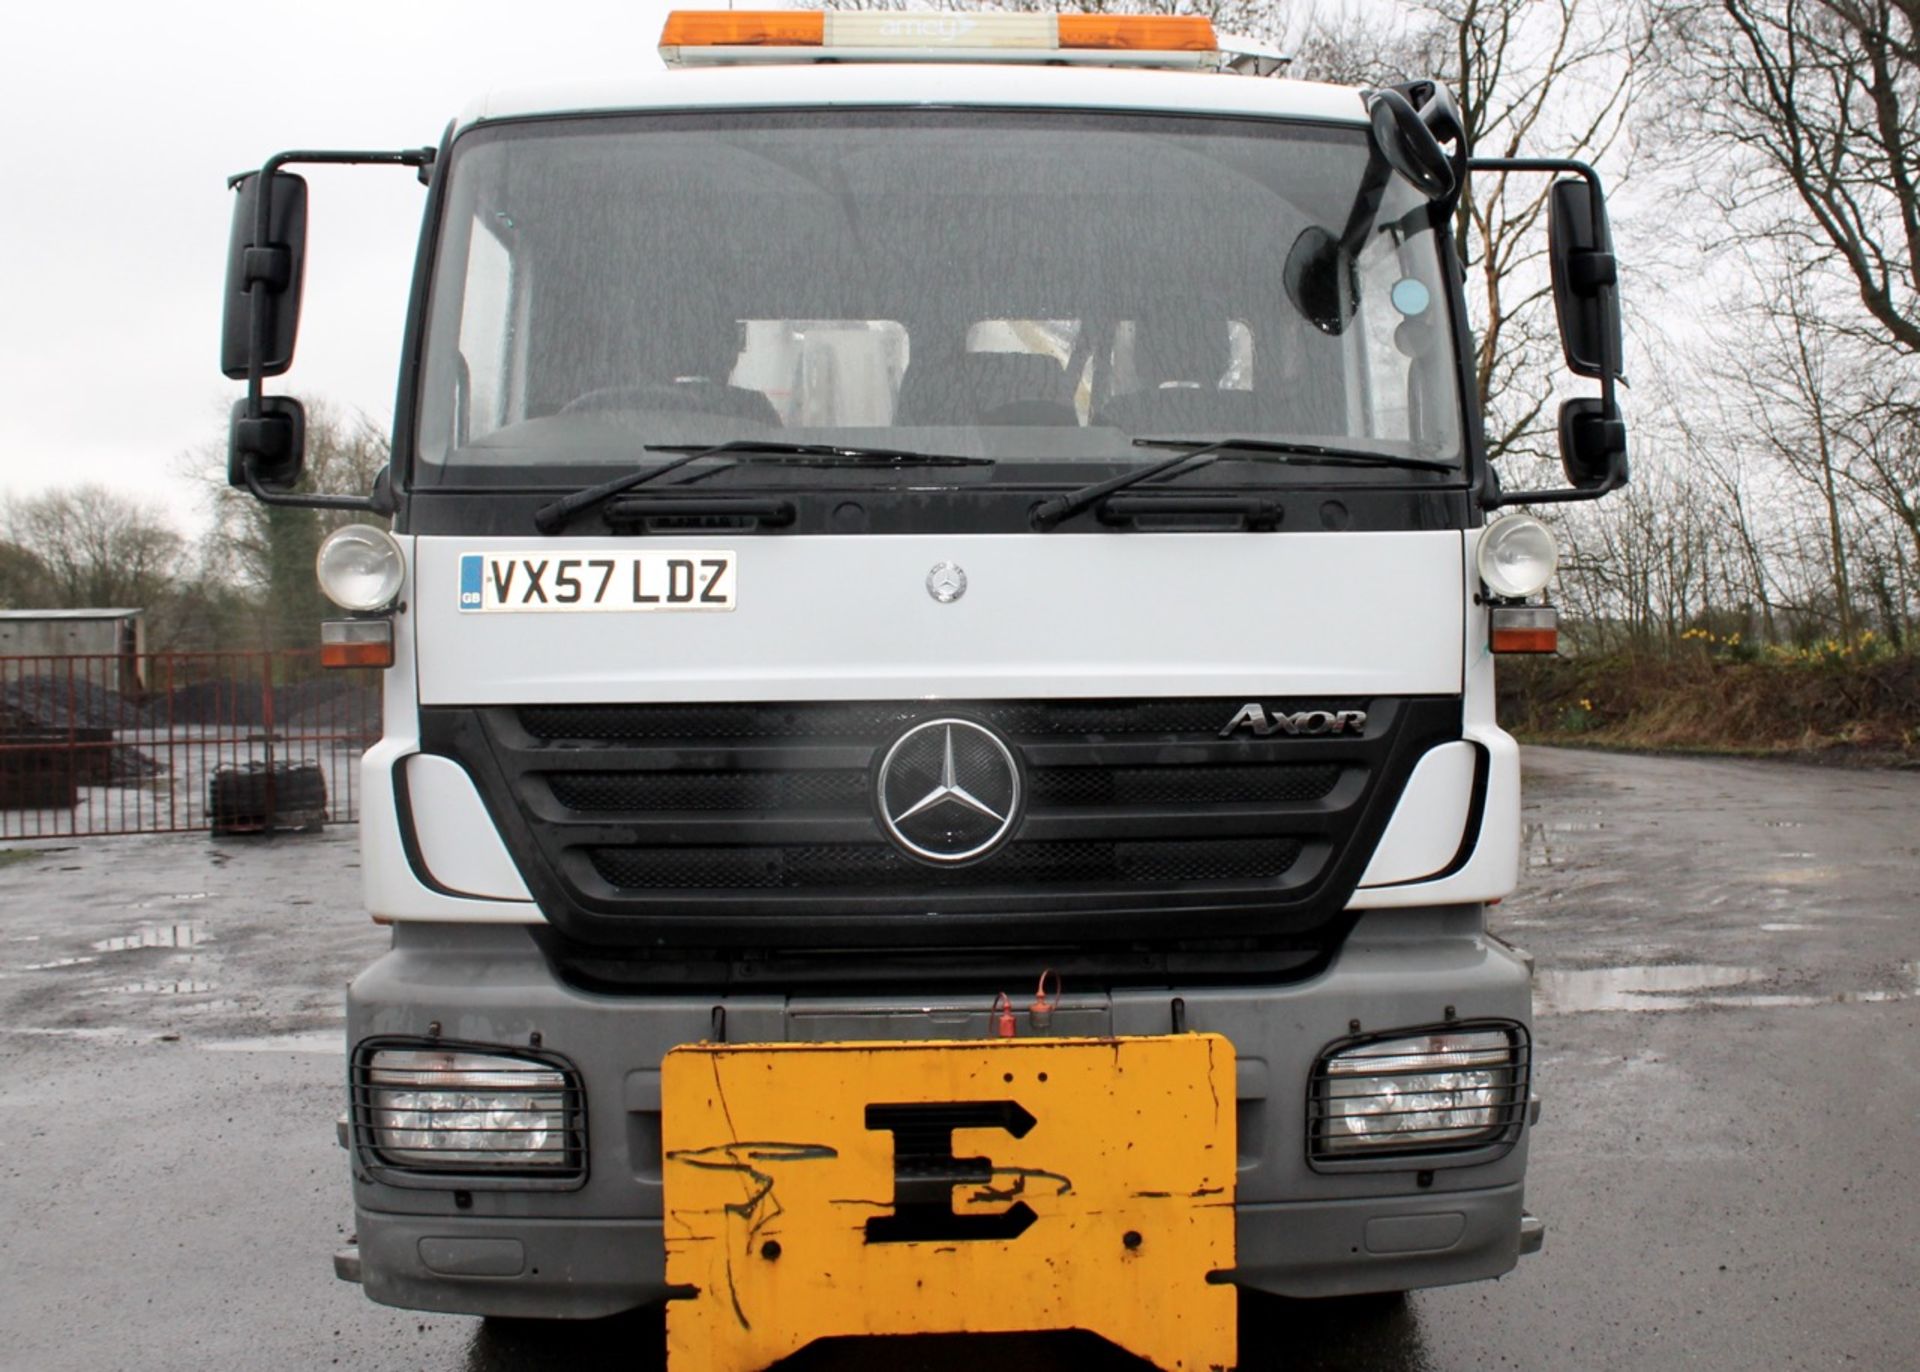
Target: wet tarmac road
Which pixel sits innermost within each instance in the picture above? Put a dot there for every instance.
(1728, 1049)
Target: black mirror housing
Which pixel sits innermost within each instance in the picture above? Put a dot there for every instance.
(1409, 145)
(1593, 446)
(277, 263)
(1586, 294)
(272, 448)
(1319, 279)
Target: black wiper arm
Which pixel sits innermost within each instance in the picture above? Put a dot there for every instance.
(552, 518)
(1049, 513)
(1201, 451)
(1298, 454)
(827, 454)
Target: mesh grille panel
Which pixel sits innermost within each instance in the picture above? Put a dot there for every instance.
(848, 790)
(1182, 785)
(824, 790)
(870, 866)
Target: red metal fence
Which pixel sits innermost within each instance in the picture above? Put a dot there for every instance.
(166, 742)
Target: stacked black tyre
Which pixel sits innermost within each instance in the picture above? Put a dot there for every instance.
(256, 798)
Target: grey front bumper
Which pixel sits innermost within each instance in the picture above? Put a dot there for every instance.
(596, 1249)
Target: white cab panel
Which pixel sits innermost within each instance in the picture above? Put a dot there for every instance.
(459, 845)
(1424, 834)
(1043, 615)
(1493, 869)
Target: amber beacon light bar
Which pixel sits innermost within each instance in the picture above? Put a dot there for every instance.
(711, 37)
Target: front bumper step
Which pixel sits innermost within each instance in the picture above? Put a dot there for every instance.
(346, 1263)
(1533, 1233)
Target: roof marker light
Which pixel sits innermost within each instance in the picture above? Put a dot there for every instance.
(744, 29)
(1158, 32)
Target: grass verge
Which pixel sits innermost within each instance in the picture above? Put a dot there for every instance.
(1820, 710)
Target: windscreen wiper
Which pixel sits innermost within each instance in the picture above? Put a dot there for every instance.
(1202, 451)
(823, 454)
(552, 518)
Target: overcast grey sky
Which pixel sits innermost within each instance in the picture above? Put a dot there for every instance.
(118, 126)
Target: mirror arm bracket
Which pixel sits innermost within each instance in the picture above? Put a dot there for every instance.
(304, 500)
(262, 258)
(1558, 495)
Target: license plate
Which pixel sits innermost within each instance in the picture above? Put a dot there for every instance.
(626, 580)
(814, 1190)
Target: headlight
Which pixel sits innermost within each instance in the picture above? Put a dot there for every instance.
(360, 567)
(1517, 556)
(465, 1111)
(1420, 1093)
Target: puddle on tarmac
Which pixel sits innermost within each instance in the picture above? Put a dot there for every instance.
(1539, 838)
(1801, 876)
(159, 902)
(58, 962)
(189, 933)
(1687, 986)
(1785, 927)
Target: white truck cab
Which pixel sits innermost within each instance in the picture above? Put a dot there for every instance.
(940, 768)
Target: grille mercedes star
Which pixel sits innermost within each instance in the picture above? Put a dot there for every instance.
(948, 790)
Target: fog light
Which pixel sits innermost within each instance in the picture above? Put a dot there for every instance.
(1452, 1088)
(360, 567)
(463, 1111)
(1517, 557)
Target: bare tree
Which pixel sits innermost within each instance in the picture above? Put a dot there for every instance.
(1817, 102)
(1798, 122)
(95, 547)
(22, 579)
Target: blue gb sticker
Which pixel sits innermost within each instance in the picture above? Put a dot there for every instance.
(1410, 297)
(470, 581)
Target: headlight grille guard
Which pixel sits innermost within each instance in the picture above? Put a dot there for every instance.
(1478, 1144)
(467, 1176)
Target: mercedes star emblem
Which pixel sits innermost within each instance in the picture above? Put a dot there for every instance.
(946, 583)
(948, 790)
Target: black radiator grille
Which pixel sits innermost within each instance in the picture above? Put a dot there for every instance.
(755, 824)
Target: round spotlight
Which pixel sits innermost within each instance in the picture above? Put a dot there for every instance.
(1517, 557)
(360, 567)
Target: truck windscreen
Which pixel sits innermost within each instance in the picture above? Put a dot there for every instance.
(1039, 289)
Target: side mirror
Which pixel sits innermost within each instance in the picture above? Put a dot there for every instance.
(1319, 279)
(1593, 448)
(276, 263)
(1585, 277)
(1409, 145)
(273, 445)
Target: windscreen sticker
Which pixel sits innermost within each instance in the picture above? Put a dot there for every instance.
(655, 580)
(1410, 296)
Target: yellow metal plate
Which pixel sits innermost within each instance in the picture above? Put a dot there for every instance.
(974, 1187)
